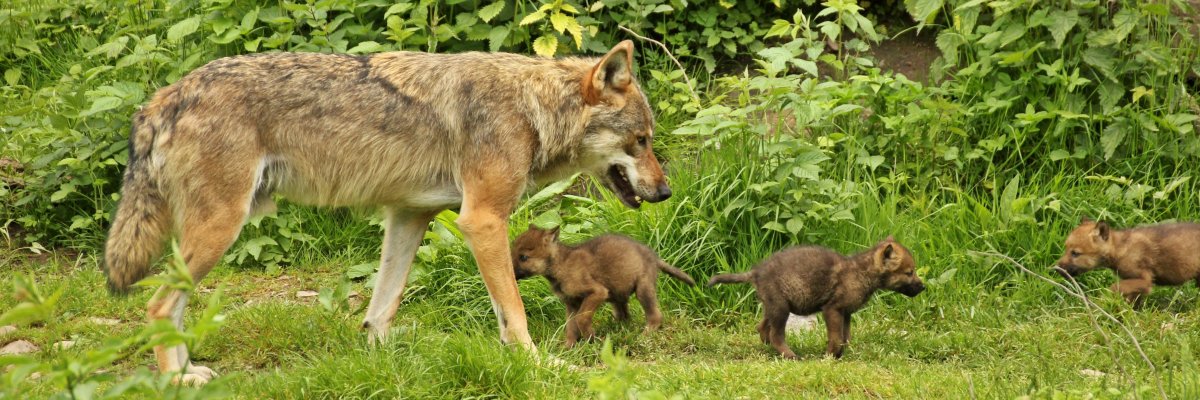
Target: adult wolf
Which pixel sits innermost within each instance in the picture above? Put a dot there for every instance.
(412, 133)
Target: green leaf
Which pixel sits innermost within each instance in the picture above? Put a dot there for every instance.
(103, 104)
(1141, 91)
(775, 226)
(1102, 59)
(546, 45)
(491, 11)
(548, 219)
(1059, 154)
(366, 47)
(255, 246)
(923, 10)
(182, 29)
(248, 21)
(794, 225)
(560, 21)
(362, 270)
(1061, 23)
(496, 37)
(12, 76)
(532, 17)
(1112, 137)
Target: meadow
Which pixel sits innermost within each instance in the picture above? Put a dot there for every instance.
(781, 128)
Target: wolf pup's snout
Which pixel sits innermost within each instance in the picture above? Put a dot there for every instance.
(913, 289)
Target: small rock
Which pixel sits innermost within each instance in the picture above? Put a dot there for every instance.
(306, 293)
(35, 375)
(104, 321)
(18, 347)
(63, 345)
(800, 323)
(7, 329)
(1091, 373)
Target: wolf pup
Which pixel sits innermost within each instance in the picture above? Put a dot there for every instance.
(1150, 255)
(806, 279)
(607, 268)
(410, 133)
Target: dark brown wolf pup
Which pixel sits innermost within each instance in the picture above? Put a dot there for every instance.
(808, 279)
(607, 268)
(1164, 254)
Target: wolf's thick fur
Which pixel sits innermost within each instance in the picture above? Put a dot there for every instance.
(412, 133)
(806, 279)
(607, 268)
(1144, 256)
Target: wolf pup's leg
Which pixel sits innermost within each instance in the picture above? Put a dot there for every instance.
(1134, 290)
(621, 309)
(402, 236)
(836, 325)
(776, 318)
(649, 298)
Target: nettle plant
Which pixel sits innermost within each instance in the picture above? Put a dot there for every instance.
(1079, 80)
(798, 122)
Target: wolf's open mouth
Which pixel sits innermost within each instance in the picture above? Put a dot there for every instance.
(620, 185)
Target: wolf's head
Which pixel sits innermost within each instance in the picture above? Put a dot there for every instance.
(897, 267)
(1086, 247)
(534, 251)
(620, 130)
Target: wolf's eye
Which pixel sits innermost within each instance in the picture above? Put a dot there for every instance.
(909, 273)
(642, 140)
(1074, 253)
(523, 258)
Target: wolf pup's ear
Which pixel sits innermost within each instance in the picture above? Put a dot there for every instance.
(614, 72)
(552, 235)
(1085, 220)
(1102, 230)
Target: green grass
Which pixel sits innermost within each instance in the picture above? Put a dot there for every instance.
(986, 330)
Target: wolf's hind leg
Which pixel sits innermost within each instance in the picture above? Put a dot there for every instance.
(213, 200)
(402, 236)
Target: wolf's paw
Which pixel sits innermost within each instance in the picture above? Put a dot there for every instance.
(195, 376)
(190, 380)
(202, 371)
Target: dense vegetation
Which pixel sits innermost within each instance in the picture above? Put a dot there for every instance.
(1038, 113)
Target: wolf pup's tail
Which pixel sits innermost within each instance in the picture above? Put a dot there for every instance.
(142, 220)
(741, 277)
(676, 273)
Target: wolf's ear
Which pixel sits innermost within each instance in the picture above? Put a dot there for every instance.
(553, 236)
(1102, 230)
(1085, 220)
(532, 227)
(890, 238)
(614, 72)
(887, 251)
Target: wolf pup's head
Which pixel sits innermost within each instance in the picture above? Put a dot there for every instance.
(1086, 247)
(621, 129)
(898, 267)
(534, 251)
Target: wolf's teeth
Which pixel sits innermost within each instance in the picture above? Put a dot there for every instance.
(637, 198)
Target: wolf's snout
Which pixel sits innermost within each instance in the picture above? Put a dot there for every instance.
(664, 192)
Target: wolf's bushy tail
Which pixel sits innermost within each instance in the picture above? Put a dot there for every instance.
(676, 273)
(142, 220)
(741, 277)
